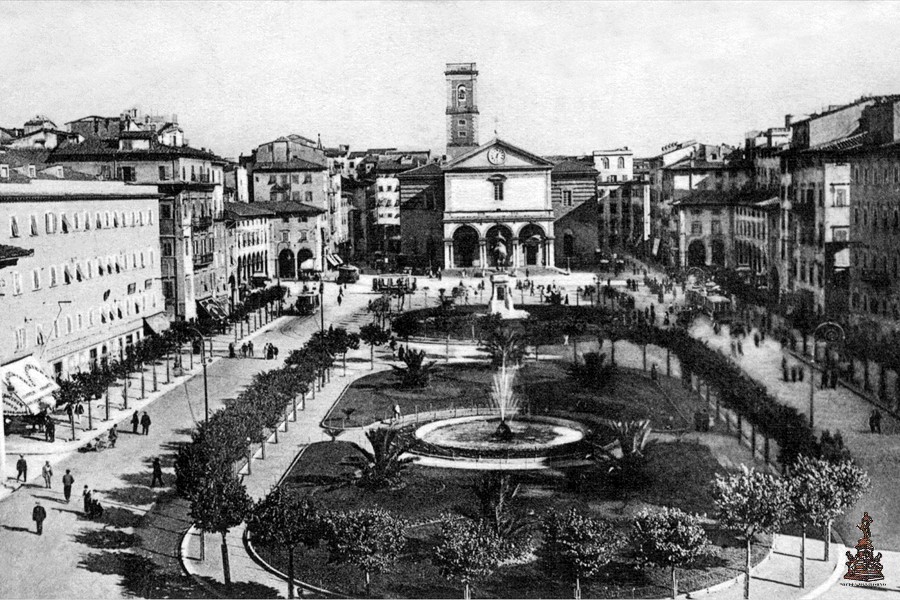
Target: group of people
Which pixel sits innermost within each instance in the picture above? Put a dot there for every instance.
(246, 350)
(144, 421)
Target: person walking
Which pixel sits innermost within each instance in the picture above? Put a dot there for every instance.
(67, 481)
(145, 424)
(38, 514)
(113, 436)
(50, 429)
(250, 348)
(86, 497)
(340, 299)
(47, 472)
(135, 421)
(875, 421)
(79, 411)
(157, 473)
(21, 469)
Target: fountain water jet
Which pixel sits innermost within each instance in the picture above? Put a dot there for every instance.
(503, 396)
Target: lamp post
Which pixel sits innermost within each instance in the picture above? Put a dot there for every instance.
(205, 385)
(829, 331)
(322, 286)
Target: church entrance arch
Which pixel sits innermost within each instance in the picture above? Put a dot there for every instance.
(286, 267)
(465, 246)
(532, 239)
(696, 254)
(305, 259)
(499, 246)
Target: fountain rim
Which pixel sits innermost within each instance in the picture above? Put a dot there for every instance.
(580, 428)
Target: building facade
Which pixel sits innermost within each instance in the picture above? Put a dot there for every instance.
(93, 278)
(249, 231)
(573, 193)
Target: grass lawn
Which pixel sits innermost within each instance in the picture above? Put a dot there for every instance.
(543, 385)
(675, 474)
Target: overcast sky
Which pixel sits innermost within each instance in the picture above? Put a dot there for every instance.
(555, 78)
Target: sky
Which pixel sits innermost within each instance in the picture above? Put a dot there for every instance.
(554, 78)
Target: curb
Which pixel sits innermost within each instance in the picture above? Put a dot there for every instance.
(835, 575)
(734, 580)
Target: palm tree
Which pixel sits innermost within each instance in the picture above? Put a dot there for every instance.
(416, 373)
(383, 465)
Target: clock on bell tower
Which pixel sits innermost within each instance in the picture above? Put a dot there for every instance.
(462, 109)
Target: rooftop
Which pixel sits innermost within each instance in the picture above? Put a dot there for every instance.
(247, 210)
(108, 149)
(290, 207)
(742, 197)
(295, 164)
(573, 167)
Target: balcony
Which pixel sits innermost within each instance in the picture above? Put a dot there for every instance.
(201, 223)
(876, 279)
(202, 260)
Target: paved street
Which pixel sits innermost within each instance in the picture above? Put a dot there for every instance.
(114, 557)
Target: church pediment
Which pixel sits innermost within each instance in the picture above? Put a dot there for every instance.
(498, 155)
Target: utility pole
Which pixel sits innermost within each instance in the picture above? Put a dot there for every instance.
(205, 387)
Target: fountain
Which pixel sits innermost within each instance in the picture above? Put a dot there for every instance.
(504, 434)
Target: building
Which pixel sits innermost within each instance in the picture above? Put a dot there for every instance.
(237, 186)
(89, 283)
(497, 209)
(297, 169)
(39, 132)
(462, 109)
(249, 240)
(573, 194)
(298, 234)
(624, 204)
(422, 216)
(191, 213)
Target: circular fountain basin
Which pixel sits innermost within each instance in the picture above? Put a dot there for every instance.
(474, 434)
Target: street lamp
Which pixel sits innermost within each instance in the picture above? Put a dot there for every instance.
(830, 332)
(205, 386)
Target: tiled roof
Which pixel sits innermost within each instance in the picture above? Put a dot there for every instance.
(244, 209)
(573, 167)
(108, 149)
(693, 164)
(429, 171)
(744, 196)
(295, 164)
(850, 142)
(12, 253)
(290, 207)
(21, 157)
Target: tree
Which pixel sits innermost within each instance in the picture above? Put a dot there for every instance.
(416, 373)
(594, 372)
(373, 335)
(496, 494)
(505, 346)
(669, 538)
(286, 520)
(370, 539)
(820, 492)
(383, 465)
(467, 551)
(749, 503)
(540, 333)
(217, 507)
(406, 326)
(576, 545)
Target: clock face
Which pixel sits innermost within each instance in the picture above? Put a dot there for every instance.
(496, 156)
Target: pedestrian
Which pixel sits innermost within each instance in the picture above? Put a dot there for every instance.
(801, 373)
(145, 424)
(740, 348)
(38, 514)
(654, 375)
(340, 299)
(157, 473)
(397, 414)
(250, 348)
(79, 410)
(875, 421)
(67, 481)
(47, 472)
(135, 421)
(21, 469)
(50, 429)
(756, 339)
(244, 350)
(86, 496)
(113, 436)
(275, 349)
(231, 353)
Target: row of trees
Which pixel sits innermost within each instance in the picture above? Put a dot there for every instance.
(813, 493)
(206, 468)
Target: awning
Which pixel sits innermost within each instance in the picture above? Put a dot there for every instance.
(224, 305)
(25, 387)
(156, 323)
(333, 260)
(211, 308)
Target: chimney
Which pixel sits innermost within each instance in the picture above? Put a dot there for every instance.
(787, 120)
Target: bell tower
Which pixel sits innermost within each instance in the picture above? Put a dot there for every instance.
(462, 109)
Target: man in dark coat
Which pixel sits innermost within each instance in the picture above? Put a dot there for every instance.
(145, 424)
(38, 514)
(86, 495)
(157, 473)
(67, 482)
(21, 469)
(135, 421)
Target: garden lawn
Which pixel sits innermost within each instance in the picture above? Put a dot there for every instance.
(541, 386)
(676, 474)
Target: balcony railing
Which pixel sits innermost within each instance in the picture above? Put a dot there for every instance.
(202, 260)
(201, 222)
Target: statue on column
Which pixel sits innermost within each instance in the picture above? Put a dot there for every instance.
(500, 252)
(865, 566)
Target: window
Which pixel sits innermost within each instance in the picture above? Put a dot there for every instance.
(40, 339)
(115, 218)
(68, 325)
(696, 228)
(65, 223)
(35, 279)
(295, 196)
(20, 338)
(308, 196)
(13, 227)
(840, 197)
(604, 162)
(621, 163)
(462, 122)
(461, 95)
(463, 134)
(285, 236)
(34, 225)
(163, 175)
(132, 288)
(567, 197)
(715, 227)
(498, 191)
(295, 178)
(50, 222)
(32, 171)
(17, 283)
(4, 171)
(67, 275)
(307, 178)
